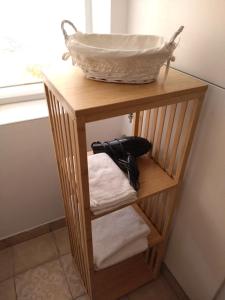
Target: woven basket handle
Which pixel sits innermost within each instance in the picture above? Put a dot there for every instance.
(63, 29)
(172, 58)
(175, 35)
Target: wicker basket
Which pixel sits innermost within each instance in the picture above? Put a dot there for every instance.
(119, 58)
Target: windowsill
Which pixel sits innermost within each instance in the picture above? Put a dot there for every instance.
(22, 93)
(23, 111)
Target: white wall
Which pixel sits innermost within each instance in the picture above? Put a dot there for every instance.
(30, 192)
(196, 250)
(101, 16)
(29, 182)
(119, 18)
(202, 46)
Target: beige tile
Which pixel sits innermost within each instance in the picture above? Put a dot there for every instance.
(46, 282)
(62, 240)
(34, 252)
(73, 276)
(7, 290)
(6, 264)
(156, 290)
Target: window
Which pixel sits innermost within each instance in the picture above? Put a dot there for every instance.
(31, 37)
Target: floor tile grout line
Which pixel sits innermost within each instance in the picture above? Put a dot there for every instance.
(13, 260)
(54, 237)
(61, 264)
(64, 274)
(14, 283)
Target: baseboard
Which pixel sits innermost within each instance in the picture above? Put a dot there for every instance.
(171, 280)
(31, 233)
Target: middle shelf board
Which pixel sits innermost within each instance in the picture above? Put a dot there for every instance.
(153, 179)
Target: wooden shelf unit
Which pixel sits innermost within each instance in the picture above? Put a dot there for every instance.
(166, 113)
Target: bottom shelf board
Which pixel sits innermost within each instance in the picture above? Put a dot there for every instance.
(113, 282)
(119, 279)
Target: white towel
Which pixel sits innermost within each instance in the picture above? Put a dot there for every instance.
(108, 185)
(118, 236)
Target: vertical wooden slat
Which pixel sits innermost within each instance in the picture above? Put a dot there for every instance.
(136, 123)
(153, 257)
(147, 123)
(160, 207)
(189, 137)
(159, 258)
(148, 207)
(159, 133)
(141, 116)
(153, 125)
(171, 203)
(177, 137)
(168, 134)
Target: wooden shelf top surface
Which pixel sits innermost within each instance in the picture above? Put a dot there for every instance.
(153, 179)
(93, 99)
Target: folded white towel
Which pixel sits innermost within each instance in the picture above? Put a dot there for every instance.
(118, 236)
(108, 185)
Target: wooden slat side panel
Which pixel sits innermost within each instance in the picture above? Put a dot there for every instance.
(159, 209)
(74, 195)
(188, 137)
(67, 157)
(170, 129)
(176, 139)
(84, 203)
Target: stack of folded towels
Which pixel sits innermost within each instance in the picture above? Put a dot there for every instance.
(108, 185)
(118, 236)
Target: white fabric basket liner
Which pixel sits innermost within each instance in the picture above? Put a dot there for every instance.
(117, 57)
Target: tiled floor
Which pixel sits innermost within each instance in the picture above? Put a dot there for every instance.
(42, 269)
